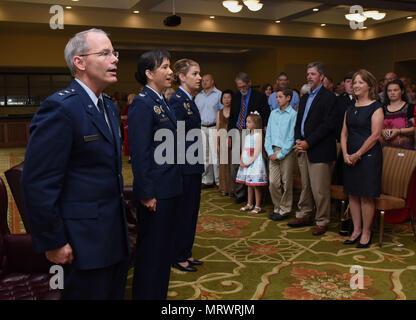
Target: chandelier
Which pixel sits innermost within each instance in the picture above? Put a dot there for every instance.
(234, 6)
(361, 17)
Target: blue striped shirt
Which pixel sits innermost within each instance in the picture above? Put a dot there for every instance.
(281, 131)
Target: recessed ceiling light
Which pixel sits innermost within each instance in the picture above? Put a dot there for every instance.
(315, 9)
(68, 7)
(323, 24)
(408, 18)
(277, 21)
(364, 28)
(212, 17)
(75, 0)
(136, 11)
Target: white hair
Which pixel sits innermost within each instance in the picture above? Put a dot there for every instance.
(77, 45)
(304, 89)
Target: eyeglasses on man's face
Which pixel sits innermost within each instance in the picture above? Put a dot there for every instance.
(104, 54)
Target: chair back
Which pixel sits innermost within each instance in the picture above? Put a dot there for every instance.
(13, 176)
(4, 201)
(398, 167)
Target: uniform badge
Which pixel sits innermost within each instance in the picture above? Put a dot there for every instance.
(61, 94)
(156, 109)
(73, 90)
(90, 106)
(66, 91)
(188, 108)
(142, 95)
(161, 108)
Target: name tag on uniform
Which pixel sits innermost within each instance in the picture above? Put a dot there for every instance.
(163, 120)
(93, 137)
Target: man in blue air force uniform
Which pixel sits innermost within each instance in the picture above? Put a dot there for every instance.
(72, 182)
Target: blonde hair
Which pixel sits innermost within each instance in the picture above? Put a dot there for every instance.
(256, 119)
(182, 66)
(371, 81)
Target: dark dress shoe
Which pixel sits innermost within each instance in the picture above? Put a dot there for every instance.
(319, 230)
(348, 241)
(365, 245)
(195, 262)
(189, 268)
(299, 222)
(278, 217)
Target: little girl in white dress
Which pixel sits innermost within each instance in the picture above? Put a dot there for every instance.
(252, 171)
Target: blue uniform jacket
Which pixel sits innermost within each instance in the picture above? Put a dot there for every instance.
(72, 183)
(149, 116)
(187, 111)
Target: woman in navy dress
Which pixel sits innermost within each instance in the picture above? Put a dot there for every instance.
(187, 76)
(157, 184)
(363, 157)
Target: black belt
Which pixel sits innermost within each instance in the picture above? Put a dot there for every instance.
(209, 125)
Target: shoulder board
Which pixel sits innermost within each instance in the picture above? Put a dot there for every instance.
(66, 93)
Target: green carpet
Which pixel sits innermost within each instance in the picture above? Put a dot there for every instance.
(251, 257)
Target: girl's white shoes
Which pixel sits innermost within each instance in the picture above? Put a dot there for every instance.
(247, 207)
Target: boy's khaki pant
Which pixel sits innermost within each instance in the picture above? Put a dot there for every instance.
(281, 179)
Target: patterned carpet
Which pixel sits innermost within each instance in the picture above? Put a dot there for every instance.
(251, 257)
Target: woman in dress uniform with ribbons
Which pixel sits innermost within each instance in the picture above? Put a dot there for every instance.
(187, 76)
(157, 185)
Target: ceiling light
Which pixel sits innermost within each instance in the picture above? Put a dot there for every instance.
(364, 28)
(408, 18)
(212, 17)
(236, 8)
(315, 10)
(356, 17)
(230, 3)
(136, 11)
(323, 24)
(253, 5)
(68, 7)
(75, 0)
(374, 14)
(277, 21)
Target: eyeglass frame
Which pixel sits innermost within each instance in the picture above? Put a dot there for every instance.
(104, 54)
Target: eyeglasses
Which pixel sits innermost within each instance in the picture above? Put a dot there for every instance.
(105, 54)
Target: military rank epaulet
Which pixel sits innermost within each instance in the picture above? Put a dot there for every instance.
(66, 92)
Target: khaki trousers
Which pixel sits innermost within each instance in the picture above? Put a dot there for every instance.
(316, 190)
(281, 177)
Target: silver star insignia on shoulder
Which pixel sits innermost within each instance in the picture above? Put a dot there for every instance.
(142, 95)
(61, 94)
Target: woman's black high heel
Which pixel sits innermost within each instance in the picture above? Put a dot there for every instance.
(348, 241)
(365, 245)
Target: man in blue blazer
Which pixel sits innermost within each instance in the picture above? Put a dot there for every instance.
(72, 183)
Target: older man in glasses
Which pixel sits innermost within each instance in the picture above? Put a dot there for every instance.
(72, 182)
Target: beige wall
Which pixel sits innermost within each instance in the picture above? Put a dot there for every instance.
(32, 46)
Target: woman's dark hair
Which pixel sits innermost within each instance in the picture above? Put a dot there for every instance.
(400, 84)
(225, 92)
(264, 88)
(149, 60)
